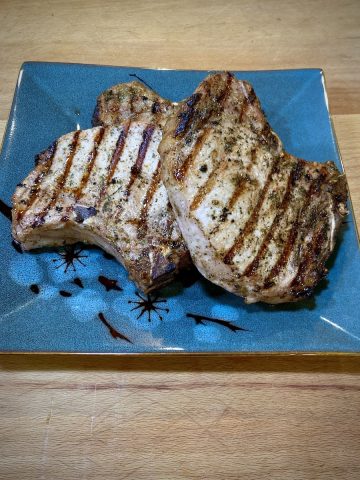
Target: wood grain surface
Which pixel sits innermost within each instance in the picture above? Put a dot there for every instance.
(186, 417)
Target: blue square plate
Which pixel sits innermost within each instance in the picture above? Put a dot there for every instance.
(51, 301)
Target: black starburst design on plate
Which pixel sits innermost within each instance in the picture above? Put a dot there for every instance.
(148, 305)
(200, 319)
(69, 256)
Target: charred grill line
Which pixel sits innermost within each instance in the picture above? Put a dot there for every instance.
(208, 185)
(136, 168)
(116, 157)
(239, 189)
(251, 269)
(306, 266)
(314, 188)
(131, 103)
(45, 167)
(284, 257)
(156, 111)
(60, 184)
(180, 172)
(251, 222)
(90, 163)
(248, 100)
(45, 156)
(154, 185)
(187, 115)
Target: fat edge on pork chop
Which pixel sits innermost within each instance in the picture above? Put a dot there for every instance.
(258, 221)
(102, 186)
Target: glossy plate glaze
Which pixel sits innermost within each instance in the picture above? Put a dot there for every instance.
(79, 300)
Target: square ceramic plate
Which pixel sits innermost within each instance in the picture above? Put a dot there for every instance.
(50, 301)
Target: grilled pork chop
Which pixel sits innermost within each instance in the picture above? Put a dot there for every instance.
(102, 186)
(133, 101)
(258, 221)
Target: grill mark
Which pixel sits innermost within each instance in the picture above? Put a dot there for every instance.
(160, 111)
(90, 163)
(249, 98)
(155, 108)
(254, 265)
(136, 168)
(224, 94)
(120, 144)
(310, 259)
(187, 115)
(45, 167)
(117, 153)
(282, 260)
(237, 192)
(154, 185)
(131, 102)
(284, 257)
(241, 186)
(208, 185)
(242, 111)
(252, 220)
(181, 171)
(267, 136)
(44, 156)
(60, 183)
(317, 240)
(239, 189)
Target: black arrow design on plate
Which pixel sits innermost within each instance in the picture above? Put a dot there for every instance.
(113, 332)
(141, 80)
(5, 210)
(200, 319)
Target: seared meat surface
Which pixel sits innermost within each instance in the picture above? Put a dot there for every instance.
(131, 101)
(102, 186)
(258, 221)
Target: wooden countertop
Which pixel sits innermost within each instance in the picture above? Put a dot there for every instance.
(213, 417)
